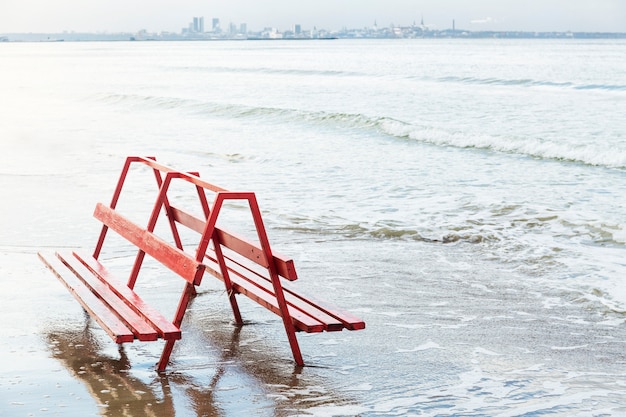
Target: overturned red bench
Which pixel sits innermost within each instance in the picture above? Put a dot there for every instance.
(247, 267)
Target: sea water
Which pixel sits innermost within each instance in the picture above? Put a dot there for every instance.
(465, 197)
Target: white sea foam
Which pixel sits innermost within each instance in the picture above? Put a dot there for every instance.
(425, 346)
(535, 147)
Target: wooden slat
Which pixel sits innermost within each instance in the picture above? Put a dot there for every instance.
(333, 318)
(298, 302)
(135, 321)
(348, 320)
(302, 321)
(99, 311)
(170, 256)
(242, 247)
(267, 299)
(261, 290)
(284, 266)
(165, 328)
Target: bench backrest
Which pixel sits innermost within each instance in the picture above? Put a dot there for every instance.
(175, 259)
(237, 250)
(284, 266)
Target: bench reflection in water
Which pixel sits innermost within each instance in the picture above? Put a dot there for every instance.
(243, 379)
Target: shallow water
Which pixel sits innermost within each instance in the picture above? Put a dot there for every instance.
(471, 214)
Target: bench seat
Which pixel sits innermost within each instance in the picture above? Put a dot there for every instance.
(241, 255)
(308, 315)
(119, 310)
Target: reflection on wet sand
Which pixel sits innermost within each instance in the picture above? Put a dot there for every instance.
(229, 377)
(107, 379)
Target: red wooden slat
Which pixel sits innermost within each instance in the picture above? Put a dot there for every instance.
(262, 293)
(141, 329)
(349, 321)
(299, 302)
(284, 266)
(242, 247)
(334, 318)
(302, 321)
(92, 304)
(166, 329)
(173, 258)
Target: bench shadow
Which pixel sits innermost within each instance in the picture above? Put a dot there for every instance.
(251, 350)
(108, 380)
(111, 383)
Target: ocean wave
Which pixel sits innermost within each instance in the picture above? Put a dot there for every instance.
(590, 154)
(503, 228)
(522, 82)
(527, 82)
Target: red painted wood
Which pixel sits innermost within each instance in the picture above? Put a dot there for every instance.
(188, 292)
(333, 318)
(164, 327)
(300, 320)
(276, 284)
(165, 356)
(173, 258)
(229, 286)
(135, 321)
(348, 320)
(267, 299)
(284, 266)
(100, 312)
(299, 302)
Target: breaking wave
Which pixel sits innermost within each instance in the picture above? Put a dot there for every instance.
(533, 147)
(590, 154)
(490, 226)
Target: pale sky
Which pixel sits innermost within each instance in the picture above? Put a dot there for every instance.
(170, 15)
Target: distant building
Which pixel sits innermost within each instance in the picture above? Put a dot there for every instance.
(197, 25)
(215, 27)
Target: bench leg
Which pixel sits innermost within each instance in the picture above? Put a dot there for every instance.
(188, 293)
(165, 356)
(293, 341)
(235, 308)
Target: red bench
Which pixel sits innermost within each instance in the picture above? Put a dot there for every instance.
(244, 266)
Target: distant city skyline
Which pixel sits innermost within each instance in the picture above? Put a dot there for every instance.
(158, 15)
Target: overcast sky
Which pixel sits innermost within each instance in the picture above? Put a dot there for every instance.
(173, 15)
